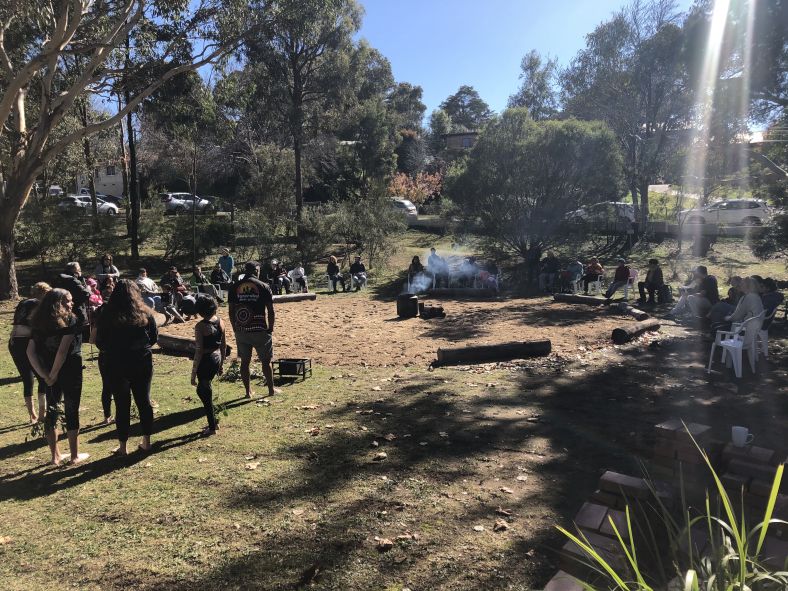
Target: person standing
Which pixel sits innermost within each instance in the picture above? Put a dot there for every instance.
(209, 353)
(105, 269)
(226, 262)
(250, 300)
(125, 332)
(17, 347)
(55, 352)
(73, 282)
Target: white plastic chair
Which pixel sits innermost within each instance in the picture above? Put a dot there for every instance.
(631, 282)
(595, 286)
(743, 337)
(576, 285)
(362, 285)
(763, 334)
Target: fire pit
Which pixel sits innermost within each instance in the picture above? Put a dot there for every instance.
(408, 305)
(292, 368)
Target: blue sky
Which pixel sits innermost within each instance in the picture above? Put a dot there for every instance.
(442, 44)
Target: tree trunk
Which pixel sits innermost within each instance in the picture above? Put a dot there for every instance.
(134, 196)
(193, 182)
(633, 190)
(644, 212)
(89, 164)
(9, 290)
(124, 171)
(12, 198)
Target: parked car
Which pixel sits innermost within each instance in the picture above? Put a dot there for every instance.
(745, 212)
(182, 203)
(406, 208)
(607, 212)
(55, 191)
(83, 203)
(108, 198)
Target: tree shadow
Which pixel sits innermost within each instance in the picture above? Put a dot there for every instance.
(565, 426)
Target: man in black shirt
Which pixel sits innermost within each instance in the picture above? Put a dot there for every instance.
(699, 296)
(358, 274)
(250, 300)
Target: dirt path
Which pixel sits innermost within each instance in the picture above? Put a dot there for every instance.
(352, 330)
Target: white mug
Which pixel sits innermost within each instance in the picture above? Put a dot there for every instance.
(741, 436)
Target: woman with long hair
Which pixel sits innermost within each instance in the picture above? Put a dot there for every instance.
(55, 352)
(125, 332)
(17, 346)
(210, 350)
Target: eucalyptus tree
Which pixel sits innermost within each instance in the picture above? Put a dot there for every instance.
(41, 39)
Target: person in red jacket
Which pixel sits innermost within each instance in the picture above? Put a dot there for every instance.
(619, 279)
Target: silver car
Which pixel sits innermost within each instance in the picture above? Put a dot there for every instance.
(182, 203)
(83, 203)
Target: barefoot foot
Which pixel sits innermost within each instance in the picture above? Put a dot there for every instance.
(79, 458)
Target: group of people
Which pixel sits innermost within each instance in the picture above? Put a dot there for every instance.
(358, 274)
(50, 328)
(438, 273)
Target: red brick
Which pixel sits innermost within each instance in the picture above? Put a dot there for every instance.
(746, 468)
(665, 447)
(606, 498)
(669, 429)
(701, 433)
(620, 519)
(629, 486)
(774, 552)
(590, 516)
(563, 581)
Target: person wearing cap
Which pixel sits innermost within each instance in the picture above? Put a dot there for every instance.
(226, 262)
(620, 278)
(252, 317)
(358, 274)
(699, 296)
(653, 283)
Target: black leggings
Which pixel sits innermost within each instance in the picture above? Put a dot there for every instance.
(106, 390)
(334, 279)
(206, 371)
(17, 346)
(130, 374)
(68, 387)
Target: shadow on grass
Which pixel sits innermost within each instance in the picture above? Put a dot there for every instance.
(566, 426)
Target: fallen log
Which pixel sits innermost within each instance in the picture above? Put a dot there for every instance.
(634, 312)
(625, 334)
(294, 297)
(461, 292)
(175, 344)
(573, 298)
(500, 352)
(182, 345)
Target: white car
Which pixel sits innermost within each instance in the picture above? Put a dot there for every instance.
(406, 208)
(182, 203)
(603, 213)
(744, 212)
(83, 203)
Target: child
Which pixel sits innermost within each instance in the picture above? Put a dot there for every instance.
(210, 349)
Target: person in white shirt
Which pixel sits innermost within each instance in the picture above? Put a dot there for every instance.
(298, 275)
(105, 269)
(751, 304)
(150, 291)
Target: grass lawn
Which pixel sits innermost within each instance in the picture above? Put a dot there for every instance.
(290, 494)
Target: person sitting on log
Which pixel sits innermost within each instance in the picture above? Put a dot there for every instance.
(653, 283)
(278, 278)
(699, 296)
(594, 270)
(151, 293)
(334, 274)
(358, 274)
(620, 279)
(172, 279)
(548, 272)
(298, 276)
(168, 306)
(771, 298)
